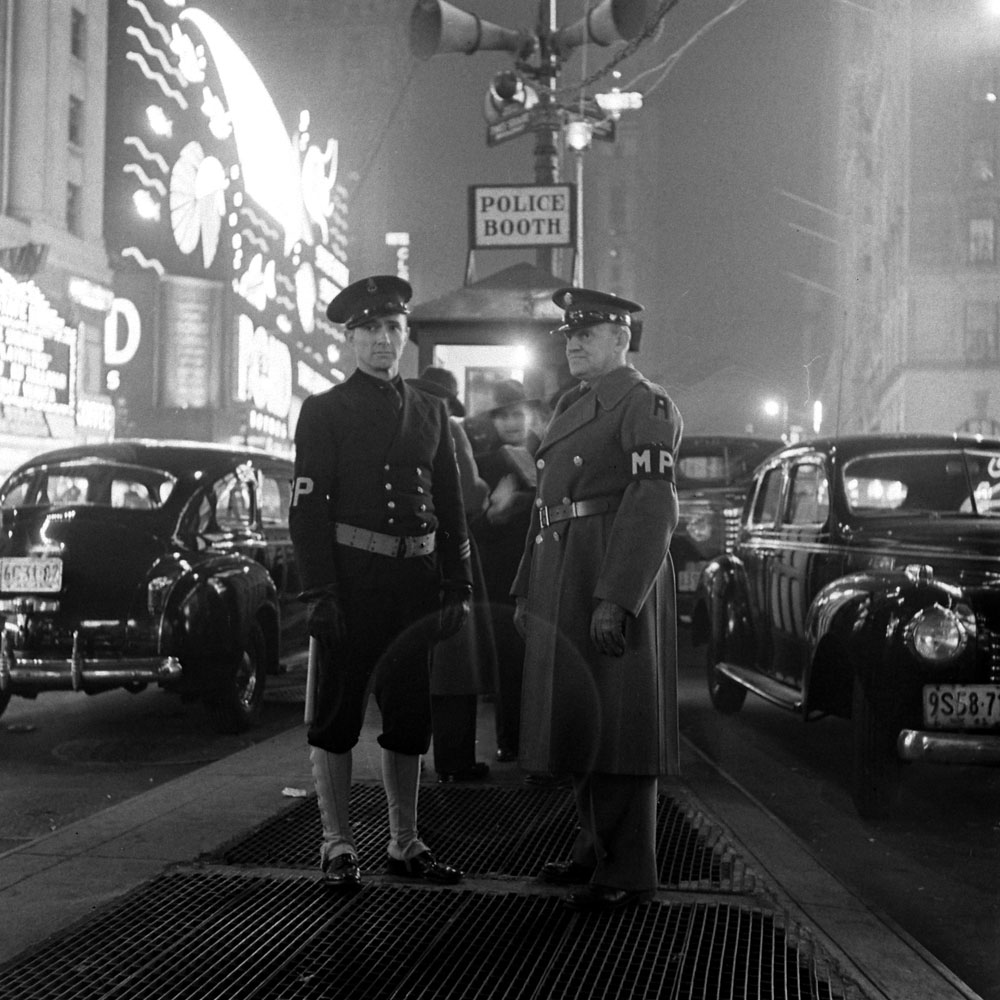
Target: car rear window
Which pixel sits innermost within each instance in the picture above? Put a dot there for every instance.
(88, 482)
(718, 462)
(941, 482)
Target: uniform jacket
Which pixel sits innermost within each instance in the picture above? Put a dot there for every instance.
(365, 460)
(582, 711)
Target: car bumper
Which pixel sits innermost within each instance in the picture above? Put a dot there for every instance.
(949, 748)
(77, 673)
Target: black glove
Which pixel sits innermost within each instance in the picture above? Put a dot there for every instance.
(607, 628)
(325, 618)
(454, 611)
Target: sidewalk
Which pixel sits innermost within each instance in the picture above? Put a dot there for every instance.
(61, 884)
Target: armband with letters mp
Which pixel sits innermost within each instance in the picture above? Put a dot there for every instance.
(652, 461)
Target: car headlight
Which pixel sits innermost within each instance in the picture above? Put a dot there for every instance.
(699, 527)
(937, 634)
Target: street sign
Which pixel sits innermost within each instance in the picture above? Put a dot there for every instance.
(502, 217)
(548, 119)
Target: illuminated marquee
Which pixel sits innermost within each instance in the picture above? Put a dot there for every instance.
(37, 350)
(207, 182)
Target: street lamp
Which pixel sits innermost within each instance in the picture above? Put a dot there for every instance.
(437, 27)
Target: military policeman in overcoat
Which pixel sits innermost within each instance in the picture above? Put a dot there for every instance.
(596, 605)
(382, 546)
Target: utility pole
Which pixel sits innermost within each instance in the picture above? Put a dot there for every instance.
(512, 106)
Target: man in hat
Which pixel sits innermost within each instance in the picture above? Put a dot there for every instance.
(595, 602)
(499, 533)
(464, 666)
(381, 542)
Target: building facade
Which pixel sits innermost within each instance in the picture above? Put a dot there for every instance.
(55, 279)
(918, 344)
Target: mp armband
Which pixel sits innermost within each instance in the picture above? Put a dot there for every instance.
(652, 461)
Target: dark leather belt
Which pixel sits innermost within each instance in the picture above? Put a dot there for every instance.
(395, 546)
(579, 508)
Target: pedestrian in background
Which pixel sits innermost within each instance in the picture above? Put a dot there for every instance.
(507, 467)
(380, 538)
(464, 666)
(596, 605)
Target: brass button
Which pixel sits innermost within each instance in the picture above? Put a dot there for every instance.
(538, 502)
(566, 500)
(538, 538)
(577, 460)
(391, 504)
(540, 463)
(555, 535)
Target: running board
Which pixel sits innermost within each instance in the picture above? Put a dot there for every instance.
(763, 686)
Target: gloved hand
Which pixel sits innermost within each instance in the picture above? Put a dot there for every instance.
(325, 618)
(454, 611)
(607, 628)
(521, 616)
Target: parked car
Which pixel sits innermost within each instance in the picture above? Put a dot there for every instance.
(866, 584)
(712, 475)
(142, 562)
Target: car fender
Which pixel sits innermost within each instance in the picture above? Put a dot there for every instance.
(207, 617)
(724, 577)
(857, 623)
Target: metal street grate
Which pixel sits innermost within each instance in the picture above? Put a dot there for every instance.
(195, 936)
(492, 833)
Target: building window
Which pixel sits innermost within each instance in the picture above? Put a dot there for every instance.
(75, 120)
(982, 161)
(982, 332)
(78, 33)
(982, 249)
(984, 83)
(74, 207)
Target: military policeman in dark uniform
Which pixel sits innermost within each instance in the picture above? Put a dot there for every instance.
(596, 605)
(381, 541)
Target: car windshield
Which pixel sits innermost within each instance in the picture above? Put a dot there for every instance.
(718, 462)
(88, 482)
(938, 482)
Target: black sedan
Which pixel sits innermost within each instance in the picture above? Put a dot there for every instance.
(713, 471)
(144, 562)
(865, 583)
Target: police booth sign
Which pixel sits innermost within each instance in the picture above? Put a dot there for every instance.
(522, 215)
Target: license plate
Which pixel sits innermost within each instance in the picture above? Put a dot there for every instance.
(962, 706)
(25, 575)
(687, 579)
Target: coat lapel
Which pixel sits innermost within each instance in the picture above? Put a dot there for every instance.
(607, 393)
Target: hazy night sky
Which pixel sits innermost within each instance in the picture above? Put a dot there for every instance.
(746, 112)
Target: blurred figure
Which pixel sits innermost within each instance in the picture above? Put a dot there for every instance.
(596, 604)
(464, 666)
(499, 530)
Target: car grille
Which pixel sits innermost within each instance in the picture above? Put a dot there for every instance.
(989, 650)
(731, 516)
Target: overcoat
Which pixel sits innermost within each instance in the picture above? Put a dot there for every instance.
(581, 711)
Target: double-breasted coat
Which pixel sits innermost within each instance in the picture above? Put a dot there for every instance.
(581, 711)
(379, 456)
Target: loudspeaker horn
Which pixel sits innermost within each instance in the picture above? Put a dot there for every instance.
(436, 26)
(610, 21)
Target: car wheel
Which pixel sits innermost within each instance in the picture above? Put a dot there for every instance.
(236, 705)
(877, 768)
(725, 694)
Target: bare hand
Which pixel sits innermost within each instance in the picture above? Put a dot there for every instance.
(521, 617)
(454, 611)
(502, 498)
(325, 619)
(607, 628)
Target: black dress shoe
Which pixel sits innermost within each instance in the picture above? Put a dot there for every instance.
(477, 772)
(565, 873)
(342, 873)
(603, 898)
(505, 755)
(425, 867)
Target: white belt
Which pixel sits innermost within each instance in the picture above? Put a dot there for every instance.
(396, 546)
